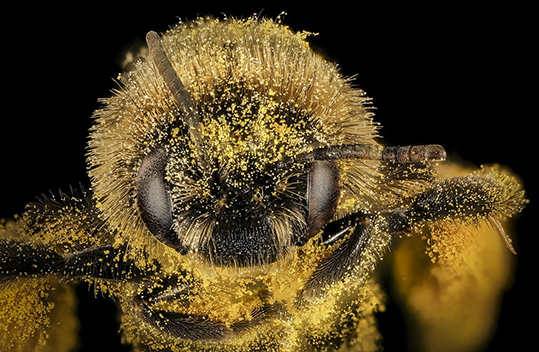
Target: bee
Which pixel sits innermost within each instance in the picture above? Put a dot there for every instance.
(241, 200)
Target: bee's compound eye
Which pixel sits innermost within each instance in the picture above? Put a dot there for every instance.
(154, 200)
(322, 195)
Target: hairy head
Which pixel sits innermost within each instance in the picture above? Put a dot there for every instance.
(208, 122)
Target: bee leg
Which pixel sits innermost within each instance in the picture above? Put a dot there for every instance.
(105, 262)
(182, 326)
(195, 327)
(178, 325)
(20, 260)
(334, 267)
(484, 196)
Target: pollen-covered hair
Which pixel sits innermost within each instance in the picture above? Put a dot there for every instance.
(261, 95)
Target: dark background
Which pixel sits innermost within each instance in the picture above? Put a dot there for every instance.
(455, 75)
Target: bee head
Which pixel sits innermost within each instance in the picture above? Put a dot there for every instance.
(244, 161)
(220, 188)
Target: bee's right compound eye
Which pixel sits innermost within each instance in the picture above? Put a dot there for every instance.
(154, 200)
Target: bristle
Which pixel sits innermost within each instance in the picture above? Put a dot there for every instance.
(503, 235)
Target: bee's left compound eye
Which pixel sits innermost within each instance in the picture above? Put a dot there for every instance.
(154, 200)
(322, 195)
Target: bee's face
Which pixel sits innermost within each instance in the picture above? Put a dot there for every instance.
(230, 214)
(221, 187)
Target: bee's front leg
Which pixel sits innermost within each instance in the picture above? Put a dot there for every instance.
(153, 306)
(19, 260)
(359, 240)
(24, 260)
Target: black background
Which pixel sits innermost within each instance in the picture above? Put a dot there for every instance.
(457, 75)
